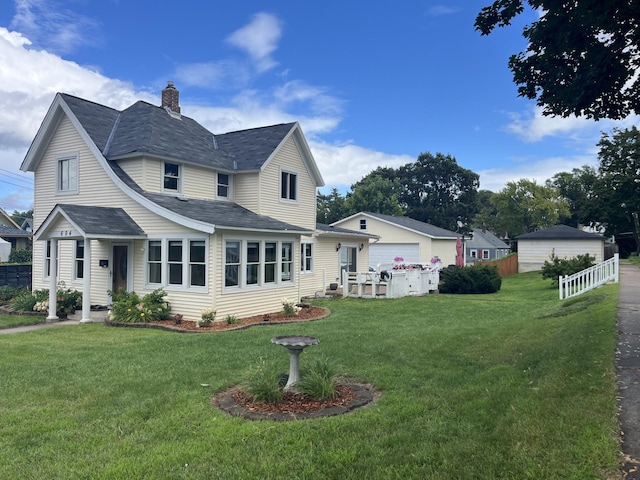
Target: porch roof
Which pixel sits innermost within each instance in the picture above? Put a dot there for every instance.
(89, 222)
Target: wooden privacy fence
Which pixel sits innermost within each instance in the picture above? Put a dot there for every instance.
(15, 275)
(506, 265)
(590, 278)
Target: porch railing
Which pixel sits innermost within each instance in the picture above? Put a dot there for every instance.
(592, 277)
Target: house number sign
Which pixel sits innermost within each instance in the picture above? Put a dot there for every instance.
(65, 233)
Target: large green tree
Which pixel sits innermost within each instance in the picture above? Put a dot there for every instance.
(378, 192)
(437, 190)
(579, 188)
(619, 191)
(525, 206)
(582, 56)
(330, 208)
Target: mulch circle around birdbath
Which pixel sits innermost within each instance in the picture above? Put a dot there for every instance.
(296, 406)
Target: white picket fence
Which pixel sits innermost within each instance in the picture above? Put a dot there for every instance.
(592, 277)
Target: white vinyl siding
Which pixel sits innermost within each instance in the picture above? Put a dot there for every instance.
(533, 253)
(247, 191)
(302, 212)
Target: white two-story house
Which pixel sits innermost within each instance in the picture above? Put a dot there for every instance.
(147, 198)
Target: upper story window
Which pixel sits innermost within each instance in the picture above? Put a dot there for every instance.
(288, 185)
(172, 177)
(67, 173)
(363, 224)
(223, 186)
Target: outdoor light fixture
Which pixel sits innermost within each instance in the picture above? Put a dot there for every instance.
(338, 246)
(361, 247)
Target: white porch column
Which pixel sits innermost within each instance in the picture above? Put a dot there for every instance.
(53, 287)
(86, 282)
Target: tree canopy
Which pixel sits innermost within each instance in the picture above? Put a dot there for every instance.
(581, 58)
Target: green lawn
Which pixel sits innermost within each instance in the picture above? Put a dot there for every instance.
(505, 386)
(9, 321)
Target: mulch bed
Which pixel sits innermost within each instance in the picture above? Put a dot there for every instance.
(306, 314)
(296, 406)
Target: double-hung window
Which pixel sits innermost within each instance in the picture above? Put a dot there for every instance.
(363, 224)
(67, 174)
(171, 177)
(252, 263)
(223, 186)
(306, 257)
(197, 263)
(154, 261)
(79, 259)
(47, 260)
(174, 261)
(485, 254)
(288, 185)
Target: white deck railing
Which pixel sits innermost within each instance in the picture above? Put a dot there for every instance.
(592, 277)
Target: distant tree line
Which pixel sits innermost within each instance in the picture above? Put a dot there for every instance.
(436, 190)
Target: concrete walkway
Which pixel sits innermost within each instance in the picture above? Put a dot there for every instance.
(39, 326)
(628, 368)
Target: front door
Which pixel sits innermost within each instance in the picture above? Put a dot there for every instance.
(120, 269)
(348, 260)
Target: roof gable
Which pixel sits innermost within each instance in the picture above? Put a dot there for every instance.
(485, 239)
(409, 224)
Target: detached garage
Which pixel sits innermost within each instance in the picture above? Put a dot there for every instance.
(414, 241)
(562, 241)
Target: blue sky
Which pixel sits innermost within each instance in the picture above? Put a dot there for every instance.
(371, 83)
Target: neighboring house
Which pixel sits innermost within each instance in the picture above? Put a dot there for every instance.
(12, 233)
(147, 198)
(562, 241)
(414, 241)
(484, 246)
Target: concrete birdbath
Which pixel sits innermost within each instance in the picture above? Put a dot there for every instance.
(295, 344)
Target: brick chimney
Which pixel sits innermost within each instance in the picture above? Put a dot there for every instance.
(171, 98)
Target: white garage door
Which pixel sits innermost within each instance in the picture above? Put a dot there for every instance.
(384, 253)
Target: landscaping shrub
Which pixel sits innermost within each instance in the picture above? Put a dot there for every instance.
(264, 383)
(207, 317)
(20, 256)
(478, 278)
(319, 380)
(68, 300)
(9, 292)
(128, 307)
(565, 266)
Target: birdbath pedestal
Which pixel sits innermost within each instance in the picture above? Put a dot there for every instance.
(295, 344)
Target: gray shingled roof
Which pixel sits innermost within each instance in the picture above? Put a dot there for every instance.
(14, 232)
(485, 239)
(339, 231)
(418, 226)
(220, 213)
(143, 128)
(102, 220)
(560, 232)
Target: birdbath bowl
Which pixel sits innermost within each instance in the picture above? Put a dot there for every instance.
(295, 344)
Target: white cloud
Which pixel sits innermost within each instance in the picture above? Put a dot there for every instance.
(213, 75)
(438, 10)
(540, 170)
(56, 29)
(259, 39)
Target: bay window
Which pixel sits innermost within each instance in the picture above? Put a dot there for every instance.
(250, 263)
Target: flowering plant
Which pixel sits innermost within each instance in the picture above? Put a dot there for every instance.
(436, 259)
(289, 308)
(207, 317)
(398, 259)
